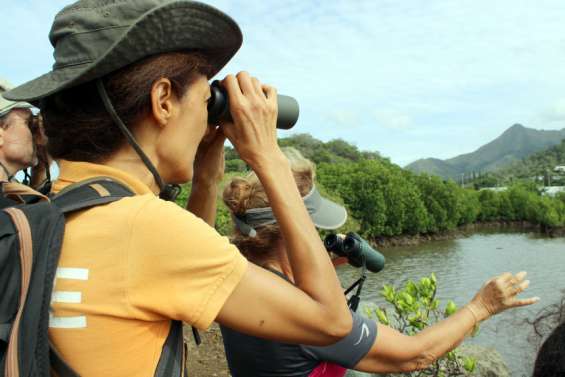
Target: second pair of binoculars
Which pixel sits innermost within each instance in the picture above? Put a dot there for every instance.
(356, 250)
(219, 108)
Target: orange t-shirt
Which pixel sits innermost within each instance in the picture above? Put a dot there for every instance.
(128, 268)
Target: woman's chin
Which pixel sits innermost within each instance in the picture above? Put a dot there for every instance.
(180, 177)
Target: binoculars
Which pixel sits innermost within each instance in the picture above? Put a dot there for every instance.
(356, 250)
(219, 108)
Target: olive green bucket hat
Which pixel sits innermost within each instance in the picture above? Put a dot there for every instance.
(93, 38)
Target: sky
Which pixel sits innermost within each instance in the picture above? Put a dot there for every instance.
(410, 79)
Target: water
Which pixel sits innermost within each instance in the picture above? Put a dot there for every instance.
(462, 265)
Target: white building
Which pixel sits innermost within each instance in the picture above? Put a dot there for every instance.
(552, 190)
(495, 189)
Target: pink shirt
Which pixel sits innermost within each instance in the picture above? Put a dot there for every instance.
(328, 370)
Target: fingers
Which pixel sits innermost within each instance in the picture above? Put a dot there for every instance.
(519, 288)
(500, 293)
(219, 138)
(521, 275)
(517, 285)
(246, 84)
(257, 86)
(271, 94)
(525, 302)
(231, 84)
(254, 113)
(505, 277)
(216, 138)
(508, 278)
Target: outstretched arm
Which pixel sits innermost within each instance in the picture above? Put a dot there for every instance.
(396, 352)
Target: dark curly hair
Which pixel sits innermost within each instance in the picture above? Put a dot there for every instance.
(77, 124)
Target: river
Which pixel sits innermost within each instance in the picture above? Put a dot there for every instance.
(462, 265)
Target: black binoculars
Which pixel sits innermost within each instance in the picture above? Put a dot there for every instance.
(219, 108)
(356, 250)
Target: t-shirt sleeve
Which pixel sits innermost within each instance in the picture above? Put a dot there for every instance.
(179, 266)
(350, 350)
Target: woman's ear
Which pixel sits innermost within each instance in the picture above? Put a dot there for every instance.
(162, 101)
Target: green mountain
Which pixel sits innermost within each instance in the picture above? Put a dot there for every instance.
(514, 144)
(538, 164)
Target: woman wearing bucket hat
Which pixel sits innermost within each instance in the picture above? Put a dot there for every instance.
(369, 346)
(127, 99)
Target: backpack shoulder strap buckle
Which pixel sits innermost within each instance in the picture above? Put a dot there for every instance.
(89, 193)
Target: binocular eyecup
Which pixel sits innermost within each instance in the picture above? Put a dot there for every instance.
(219, 108)
(356, 250)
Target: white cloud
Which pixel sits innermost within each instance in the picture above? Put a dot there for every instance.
(483, 63)
(393, 120)
(556, 113)
(345, 119)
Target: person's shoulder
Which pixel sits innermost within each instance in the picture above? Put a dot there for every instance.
(150, 209)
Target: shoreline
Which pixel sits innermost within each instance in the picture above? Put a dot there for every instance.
(466, 231)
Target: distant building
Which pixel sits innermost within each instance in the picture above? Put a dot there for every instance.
(552, 190)
(559, 168)
(495, 189)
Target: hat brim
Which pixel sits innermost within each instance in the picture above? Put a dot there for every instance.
(329, 215)
(15, 105)
(176, 26)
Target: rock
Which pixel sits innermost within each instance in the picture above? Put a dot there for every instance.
(489, 361)
(354, 373)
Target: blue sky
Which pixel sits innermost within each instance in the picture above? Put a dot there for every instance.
(410, 79)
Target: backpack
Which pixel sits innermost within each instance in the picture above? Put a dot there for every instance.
(30, 245)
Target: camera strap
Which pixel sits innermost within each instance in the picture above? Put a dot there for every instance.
(167, 191)
(353, 301)
(8, 176)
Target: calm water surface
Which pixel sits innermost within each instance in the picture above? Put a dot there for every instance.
(462, 265)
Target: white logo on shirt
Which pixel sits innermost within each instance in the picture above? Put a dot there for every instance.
(364, 331)
(68, 297)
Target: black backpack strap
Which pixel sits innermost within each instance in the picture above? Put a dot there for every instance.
(5, 329)
(173, 356)
(59, 365)
(90, 193)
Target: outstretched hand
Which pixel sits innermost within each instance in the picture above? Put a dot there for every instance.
(500, 293)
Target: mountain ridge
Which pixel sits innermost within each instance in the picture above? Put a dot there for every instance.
(514, 144)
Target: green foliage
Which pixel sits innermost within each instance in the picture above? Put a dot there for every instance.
(223, 223)
(384, 200)
(235, 165)
(489, 204)
(413, 308)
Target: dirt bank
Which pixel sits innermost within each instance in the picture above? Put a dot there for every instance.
(466, 231)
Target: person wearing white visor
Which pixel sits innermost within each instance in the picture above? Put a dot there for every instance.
(17, 151)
